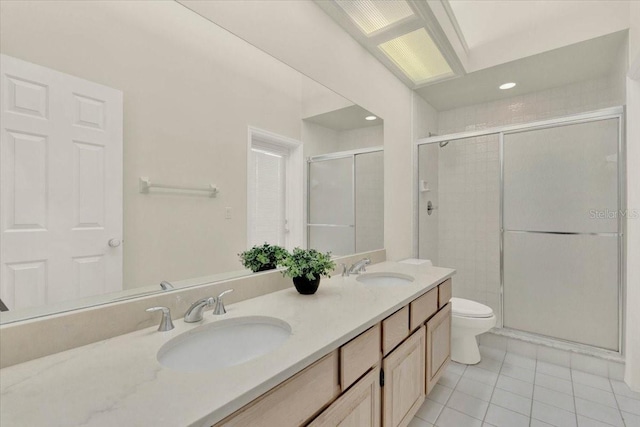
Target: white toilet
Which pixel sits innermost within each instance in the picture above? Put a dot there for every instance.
(469, 319)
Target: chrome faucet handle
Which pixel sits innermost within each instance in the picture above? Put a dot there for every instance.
(359, 267)
(219, 308)
(166, 286)
(194, 313)
(165, 323)
(345, 270)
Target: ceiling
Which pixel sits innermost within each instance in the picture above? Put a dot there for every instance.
(347, 118)
(485, 21)
(581, 61)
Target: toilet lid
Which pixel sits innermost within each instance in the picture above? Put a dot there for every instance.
(468, 308)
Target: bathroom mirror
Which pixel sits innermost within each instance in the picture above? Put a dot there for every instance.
(144, 147)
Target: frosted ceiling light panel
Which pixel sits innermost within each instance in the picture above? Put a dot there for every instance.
(417, 56)
(374, 15)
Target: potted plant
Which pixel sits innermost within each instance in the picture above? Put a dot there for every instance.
(306, 267)
(262, 258)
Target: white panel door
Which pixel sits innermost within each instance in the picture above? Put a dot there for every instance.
(61, 186)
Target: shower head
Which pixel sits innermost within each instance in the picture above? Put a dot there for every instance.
(443, 143)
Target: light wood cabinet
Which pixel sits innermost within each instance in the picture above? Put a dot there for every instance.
(353, 387)
(295, 401)
(438, 345)
(444, 293)
(395, 329)
(423, 308)
(358, 407)
(359, 355)
(404, 387)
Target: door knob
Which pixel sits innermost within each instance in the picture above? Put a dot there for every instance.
(114, 243)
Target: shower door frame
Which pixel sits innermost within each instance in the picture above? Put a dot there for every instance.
(501, 131)
(334, 156)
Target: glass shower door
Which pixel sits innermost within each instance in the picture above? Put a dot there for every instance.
(331, 224)
(562, 232)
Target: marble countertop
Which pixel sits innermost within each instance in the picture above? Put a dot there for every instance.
(120, 382)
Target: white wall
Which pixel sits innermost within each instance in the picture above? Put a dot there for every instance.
(353, 139)
(632, 373)
(300, 34)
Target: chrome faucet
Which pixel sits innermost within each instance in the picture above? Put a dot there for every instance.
(166, 286)
(194, 313)
(219, 308)
(345, 270)
(358, 267)
(165, 323)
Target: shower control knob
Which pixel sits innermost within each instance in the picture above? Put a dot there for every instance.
(114, 243)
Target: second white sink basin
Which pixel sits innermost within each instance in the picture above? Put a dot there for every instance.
(385, 279)
(222, 344)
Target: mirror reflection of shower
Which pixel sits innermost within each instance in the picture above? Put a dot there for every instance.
(346, 201)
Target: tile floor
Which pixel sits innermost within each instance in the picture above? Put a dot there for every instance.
(509, 390)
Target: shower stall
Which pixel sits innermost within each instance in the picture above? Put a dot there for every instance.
(532, 216)
(345, 210)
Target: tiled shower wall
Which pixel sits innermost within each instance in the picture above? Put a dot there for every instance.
(463, 232)
(468, 221)
(561, 101)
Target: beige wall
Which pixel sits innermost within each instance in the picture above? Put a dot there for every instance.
(330, 56)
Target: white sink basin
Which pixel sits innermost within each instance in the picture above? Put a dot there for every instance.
(385, 279)
(222, 344)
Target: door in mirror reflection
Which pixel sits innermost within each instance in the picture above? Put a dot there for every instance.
(61, 186)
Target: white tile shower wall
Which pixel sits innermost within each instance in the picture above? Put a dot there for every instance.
(556, 102)
(468, 219)
(428, 156)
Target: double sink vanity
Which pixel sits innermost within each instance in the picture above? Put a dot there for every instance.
(364, 350)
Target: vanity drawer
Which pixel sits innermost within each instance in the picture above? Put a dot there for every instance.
(358, 356)
(395, 329)
(422, 308)
(444, 293)
(295, 401)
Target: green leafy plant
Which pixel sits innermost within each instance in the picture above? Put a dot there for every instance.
(261, 258)
(308, 263)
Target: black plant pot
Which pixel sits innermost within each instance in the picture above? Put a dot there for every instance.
(306, 286)
(265, 267)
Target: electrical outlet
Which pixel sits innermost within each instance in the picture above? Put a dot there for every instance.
(227, 213)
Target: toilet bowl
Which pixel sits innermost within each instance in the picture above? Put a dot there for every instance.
(469, 319)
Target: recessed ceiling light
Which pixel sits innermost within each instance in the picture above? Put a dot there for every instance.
(507, 86)
(370, 118)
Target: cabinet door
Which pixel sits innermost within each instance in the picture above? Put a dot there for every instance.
(358, 407)
(404, 386)
(438, 345)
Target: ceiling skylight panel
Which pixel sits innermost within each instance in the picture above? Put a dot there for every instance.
(373, 15)
(417, 56)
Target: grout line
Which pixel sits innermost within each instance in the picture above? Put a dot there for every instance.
(504, 356)
(573, 393)
(533, 392)
(615, 397)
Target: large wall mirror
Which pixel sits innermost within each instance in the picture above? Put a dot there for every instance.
(141, 143)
